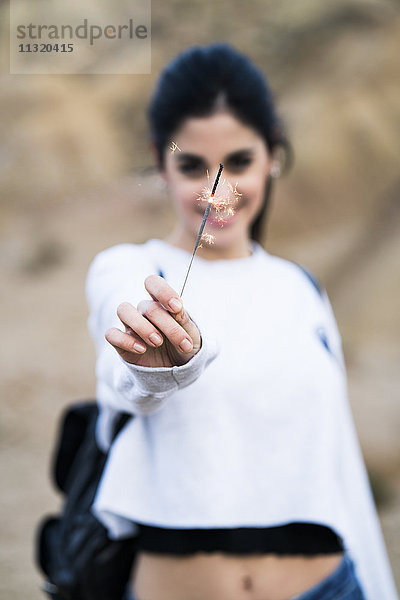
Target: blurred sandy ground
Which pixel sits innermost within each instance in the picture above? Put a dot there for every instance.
(75, 178)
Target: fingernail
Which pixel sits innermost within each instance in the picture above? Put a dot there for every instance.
(139, 348)
(186, 345)
(175, 304)
(155, 339)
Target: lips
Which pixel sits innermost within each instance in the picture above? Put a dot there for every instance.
(219, 218)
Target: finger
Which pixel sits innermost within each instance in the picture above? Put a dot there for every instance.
(139, 325)
(190, 327)
(165, 322)
(125, 342)
(160, 291)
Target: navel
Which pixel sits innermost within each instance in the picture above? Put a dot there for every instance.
(247, 583)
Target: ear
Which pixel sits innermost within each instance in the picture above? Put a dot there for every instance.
(155, 155)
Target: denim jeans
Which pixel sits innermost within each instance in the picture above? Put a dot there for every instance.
(342, 584)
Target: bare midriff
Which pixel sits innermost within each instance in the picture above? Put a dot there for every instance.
(219, 576)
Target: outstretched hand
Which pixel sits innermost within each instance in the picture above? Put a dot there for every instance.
(158, 332)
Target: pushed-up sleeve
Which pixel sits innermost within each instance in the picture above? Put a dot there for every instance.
(115, 276)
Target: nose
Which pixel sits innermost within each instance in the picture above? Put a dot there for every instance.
(217, 178)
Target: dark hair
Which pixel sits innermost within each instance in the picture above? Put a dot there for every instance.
(196, 82)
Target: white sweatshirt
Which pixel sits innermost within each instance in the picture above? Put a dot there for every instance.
(255, 430)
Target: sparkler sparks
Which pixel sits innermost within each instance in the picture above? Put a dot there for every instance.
(208, 238)
(209, 199)
(223, 205)
(174, 147)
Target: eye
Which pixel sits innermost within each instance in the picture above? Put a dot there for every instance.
(192, 167)
(239, 162)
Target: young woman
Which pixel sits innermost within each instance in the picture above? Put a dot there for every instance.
(240, 474)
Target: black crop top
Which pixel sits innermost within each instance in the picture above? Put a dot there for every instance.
(293, 538)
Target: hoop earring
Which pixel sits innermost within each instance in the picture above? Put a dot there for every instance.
(162, 184)
(275, 170)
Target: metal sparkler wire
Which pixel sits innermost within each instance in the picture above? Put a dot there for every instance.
(206, 212)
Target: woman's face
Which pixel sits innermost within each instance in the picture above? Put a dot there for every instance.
(203, 144)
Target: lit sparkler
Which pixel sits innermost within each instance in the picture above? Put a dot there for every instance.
(210, 201)
(224, 205)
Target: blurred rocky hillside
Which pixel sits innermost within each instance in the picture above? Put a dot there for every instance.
(77, 176)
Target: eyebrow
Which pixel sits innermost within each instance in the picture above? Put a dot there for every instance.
(187, 156)
(238, 153)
